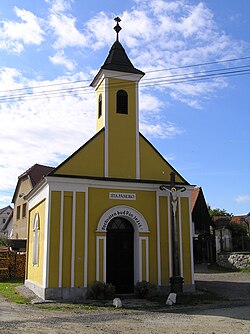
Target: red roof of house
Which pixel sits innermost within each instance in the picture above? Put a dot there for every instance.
(193, 197)
(35, 174)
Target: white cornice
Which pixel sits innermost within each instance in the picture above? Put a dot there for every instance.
(116, 75)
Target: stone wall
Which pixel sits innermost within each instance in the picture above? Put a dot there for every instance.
(234, 260)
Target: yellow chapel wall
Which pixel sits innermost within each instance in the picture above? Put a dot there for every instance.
(152, 165)
(87, 161)
(122, 131)
(100, 121)
(99, 203)
(34, 273)
(62, 221)
(186, 241)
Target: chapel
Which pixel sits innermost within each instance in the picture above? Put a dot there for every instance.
(106, 213)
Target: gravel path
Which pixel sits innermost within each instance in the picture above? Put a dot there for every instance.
(230, 317)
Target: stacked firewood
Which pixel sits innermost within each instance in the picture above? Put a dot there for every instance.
(4, 262)
(12, 264)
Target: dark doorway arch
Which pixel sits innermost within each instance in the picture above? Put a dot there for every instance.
(120, 255)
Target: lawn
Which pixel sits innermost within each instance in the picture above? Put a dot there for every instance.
(7, 290)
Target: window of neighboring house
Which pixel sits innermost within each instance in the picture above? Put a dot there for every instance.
(24, 210)
(100, 106)
(36, 228)
(18, 212)
(122, 102)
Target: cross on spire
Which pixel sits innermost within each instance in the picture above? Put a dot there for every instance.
(117, 28)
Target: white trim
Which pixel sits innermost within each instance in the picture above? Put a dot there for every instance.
(61, 242)
(46, 238)
(135, 217)
(86, 241)
(170, 263)
(106, 121)
(180, 237)
(73, 239)
(191, 241)
(97, 265)
(98, 238)
(38, 197)
(137, 133)
(81, 184)
(140, 258)
(158, 239)
(104, 259)
(116, 75)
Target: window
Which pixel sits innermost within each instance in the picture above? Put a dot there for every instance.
(4, 220)
(36, 228)
(18, 212)
(24, 210)
(100, 106)
(122, 102)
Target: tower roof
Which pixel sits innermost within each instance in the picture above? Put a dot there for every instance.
(118, 60)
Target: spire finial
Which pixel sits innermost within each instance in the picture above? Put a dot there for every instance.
(117, 28)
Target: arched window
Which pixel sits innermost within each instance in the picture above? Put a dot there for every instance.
(36, 228)
(122, 102)
(100, 106)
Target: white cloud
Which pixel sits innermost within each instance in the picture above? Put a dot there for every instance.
(243, 199)
(59, 5)
(60, 59)
(160, 130)
(28, 31)
(66, 32)
(164, 35)
(44, 130)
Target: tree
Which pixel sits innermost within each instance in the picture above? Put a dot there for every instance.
(218, 212)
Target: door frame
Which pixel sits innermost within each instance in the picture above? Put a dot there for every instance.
(139, 224)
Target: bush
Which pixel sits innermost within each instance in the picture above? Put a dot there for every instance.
(144, 289)
(4, 242)
(103, 290)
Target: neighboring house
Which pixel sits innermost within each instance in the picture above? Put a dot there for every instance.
(243, 220)
(204, 247)
(223, 235)
(26, 182)
(104, 214)
(6, 221)
(226, 240)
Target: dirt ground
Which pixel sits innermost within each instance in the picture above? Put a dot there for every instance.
(229, 314)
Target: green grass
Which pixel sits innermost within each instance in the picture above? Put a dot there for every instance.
(63, 307)
(245, 270)
(7, 290)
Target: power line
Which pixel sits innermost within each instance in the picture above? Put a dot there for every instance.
(128, 74)
(156, 81)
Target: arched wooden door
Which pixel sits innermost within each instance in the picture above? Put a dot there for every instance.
(120, 255)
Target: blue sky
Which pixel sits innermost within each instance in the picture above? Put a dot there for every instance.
(201, 127)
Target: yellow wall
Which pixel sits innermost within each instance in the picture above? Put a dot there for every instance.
(100, 121)
(35, 272)
(186, 241)
(20, 226)
(67, 239)
(87, 161)
(54, 238)
(164, 240)
(80, 239)
(153, 166)
(122, 131)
